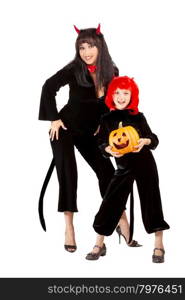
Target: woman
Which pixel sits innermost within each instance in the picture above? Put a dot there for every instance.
(88, 76)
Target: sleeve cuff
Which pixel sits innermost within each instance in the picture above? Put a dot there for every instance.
(105, 153)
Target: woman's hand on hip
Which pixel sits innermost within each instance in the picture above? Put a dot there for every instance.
(54, 130)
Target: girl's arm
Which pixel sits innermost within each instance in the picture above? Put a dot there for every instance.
(103, 140)
(148, 134)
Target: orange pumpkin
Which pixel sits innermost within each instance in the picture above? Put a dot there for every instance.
(123, 139)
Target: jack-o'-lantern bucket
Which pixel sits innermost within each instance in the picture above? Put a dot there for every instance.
(123, 139)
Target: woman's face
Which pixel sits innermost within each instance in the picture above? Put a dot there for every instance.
(88, 53)
(121, 98)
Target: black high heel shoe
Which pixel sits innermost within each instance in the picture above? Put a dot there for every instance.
(133, 243)
(158, 258)
(70, 248)
(94, 256)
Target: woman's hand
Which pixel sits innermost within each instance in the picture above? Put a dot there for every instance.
(54, 130)
(108, 149)
(141, 144)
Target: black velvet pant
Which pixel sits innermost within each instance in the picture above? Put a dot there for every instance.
(65, 161)
(142, 168)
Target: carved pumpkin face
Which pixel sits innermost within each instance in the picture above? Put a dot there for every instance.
(123, 139)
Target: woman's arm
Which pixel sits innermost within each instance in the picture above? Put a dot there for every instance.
(48, 108)
(103, 137)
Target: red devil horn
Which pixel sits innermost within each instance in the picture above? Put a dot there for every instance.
(77, 30)
(98, 29)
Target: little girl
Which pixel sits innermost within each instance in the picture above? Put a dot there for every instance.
(122, 99)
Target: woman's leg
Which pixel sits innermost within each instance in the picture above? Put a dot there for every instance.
(103, 168)
(124, 226)
(69, 231)
(65, 162)
(64, 156)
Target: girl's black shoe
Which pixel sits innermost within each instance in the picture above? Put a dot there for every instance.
(158, 258)
(94, 256)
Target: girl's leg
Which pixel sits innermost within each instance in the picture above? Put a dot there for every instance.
(98, 250)
(149, 194)
(69, 231)
(114, 203)
(151, 207)
(99, 243)
(103, 168)
(158, 254)
(158, 242)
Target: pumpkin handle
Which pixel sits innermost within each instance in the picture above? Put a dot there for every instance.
(120, 125)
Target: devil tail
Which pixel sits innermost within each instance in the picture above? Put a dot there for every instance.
(43, 190)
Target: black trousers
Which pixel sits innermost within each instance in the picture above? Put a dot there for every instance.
(142, 168)
(65, 161)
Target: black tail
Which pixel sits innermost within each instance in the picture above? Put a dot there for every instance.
(41, 198)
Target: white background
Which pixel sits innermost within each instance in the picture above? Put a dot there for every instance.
(146, 41)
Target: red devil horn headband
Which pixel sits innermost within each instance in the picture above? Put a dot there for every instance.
(97, 30)
(77, 30)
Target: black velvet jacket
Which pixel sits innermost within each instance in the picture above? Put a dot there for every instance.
(82, 113)
(110, 121)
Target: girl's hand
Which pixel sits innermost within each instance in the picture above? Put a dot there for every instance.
(141, 143)
(108, 149)
(54, 130)
(97, 130)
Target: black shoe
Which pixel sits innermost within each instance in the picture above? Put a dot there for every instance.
(133, 243)
(158, 258)
(70, 248)
(94, 256)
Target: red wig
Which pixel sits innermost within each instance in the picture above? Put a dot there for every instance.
(126, 83)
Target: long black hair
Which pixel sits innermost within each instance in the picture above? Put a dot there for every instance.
(106, 69)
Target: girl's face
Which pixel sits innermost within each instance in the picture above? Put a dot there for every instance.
(88, 53)
(121, 98)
